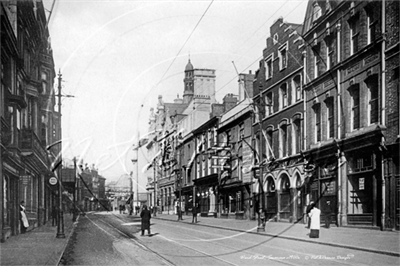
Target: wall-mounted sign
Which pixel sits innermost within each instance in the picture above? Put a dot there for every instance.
(53, 180)
(361, 182)
(25, 179)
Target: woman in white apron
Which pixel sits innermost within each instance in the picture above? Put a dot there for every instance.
(24, 219)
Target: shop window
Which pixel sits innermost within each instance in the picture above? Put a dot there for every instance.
(360, 194)
(285, 201)
(239, 200)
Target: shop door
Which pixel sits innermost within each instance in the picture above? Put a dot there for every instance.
(397, 203)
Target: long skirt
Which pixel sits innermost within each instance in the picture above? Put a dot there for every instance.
(314, 233)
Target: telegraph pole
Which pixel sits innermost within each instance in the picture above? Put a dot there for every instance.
(60, 222)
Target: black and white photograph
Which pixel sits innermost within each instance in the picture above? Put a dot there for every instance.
(199, 132)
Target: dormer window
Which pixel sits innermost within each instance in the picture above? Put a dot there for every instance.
(283, 56)
(317, 11)
(327, 6)
(276, 38)
(268, 67)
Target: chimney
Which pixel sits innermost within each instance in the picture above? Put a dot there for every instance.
(230, 100)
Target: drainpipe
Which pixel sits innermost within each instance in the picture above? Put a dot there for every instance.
(339, 131)
(383, 112)
(304, 100)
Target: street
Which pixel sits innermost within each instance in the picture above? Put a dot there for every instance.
(114, 239)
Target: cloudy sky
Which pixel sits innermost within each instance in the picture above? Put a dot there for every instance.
(117, 56)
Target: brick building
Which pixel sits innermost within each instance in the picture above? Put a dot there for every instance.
(278, 124)
(346, 110)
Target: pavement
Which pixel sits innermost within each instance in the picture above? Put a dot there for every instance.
(40, 246)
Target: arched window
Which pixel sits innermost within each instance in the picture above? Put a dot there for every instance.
(283, 96)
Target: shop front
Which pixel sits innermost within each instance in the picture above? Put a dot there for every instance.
(205, 192)
(323, 191)
(363, 182)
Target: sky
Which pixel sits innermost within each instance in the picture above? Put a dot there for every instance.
(117, 56)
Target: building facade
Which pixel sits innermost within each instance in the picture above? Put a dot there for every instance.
(28, 119)
(278, 124)
(354, 174)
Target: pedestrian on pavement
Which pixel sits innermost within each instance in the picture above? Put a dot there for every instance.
(146, 216)
(314, 215)
(194, 211)
(179, 210)
(23, 218)
(309, 207)
(54, 216)
(328, 217)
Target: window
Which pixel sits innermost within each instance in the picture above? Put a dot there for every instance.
(276, 38)
(283, 142)
(198, 168)
(373, 92)
(330, 52)
(203, 166)
(317, 62)
(282, 57)
(354, 35)
(372, 23)
(209, 138)
(283, 96)
(330, 129)
(209, 165)
(297, 87)
(268, 104)
(241, 131)
(268, 67)
(269, 143)
(296, 125)
(317, 119)
(355, 106)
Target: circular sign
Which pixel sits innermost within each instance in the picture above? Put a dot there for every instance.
(53, 180)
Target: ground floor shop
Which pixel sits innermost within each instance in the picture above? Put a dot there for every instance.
(284, 196)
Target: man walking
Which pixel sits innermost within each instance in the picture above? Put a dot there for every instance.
(146, 216)
(194, 212)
